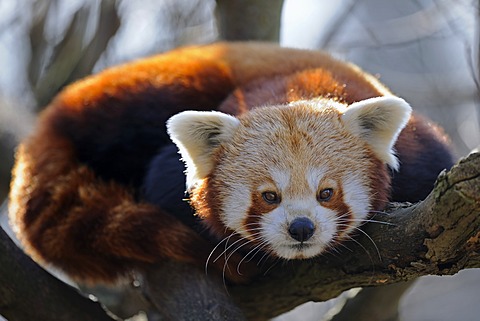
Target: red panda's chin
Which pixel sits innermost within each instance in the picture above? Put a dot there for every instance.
(298, 250)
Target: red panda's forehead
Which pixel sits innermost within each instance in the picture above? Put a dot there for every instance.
(293, 141)
(300, 135)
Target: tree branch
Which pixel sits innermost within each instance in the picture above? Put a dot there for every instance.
(27, 292)
(440, 235)
(183, 292)
(374, 303)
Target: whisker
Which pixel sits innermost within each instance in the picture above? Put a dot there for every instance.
(275, 262)
(368, 236)
(255, 249)
(225, 239)
(258, 248)
(332, 249)
(338, 243)
(370, 221)
(368, 254)
(233, 244)
(225, 265)
(342, 245)
(379, 212)
(266, 255)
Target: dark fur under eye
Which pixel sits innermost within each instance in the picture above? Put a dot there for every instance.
(271, 197)
(325, 195)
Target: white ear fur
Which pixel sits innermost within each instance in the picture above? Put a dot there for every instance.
(379, 121)
(197, 134)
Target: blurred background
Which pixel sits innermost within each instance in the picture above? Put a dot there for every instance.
(426, 51)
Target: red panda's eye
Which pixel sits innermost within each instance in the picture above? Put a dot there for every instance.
(271, 197)
(325, 195)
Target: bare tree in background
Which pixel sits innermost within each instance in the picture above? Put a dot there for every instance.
(85, 42)
(261, 16)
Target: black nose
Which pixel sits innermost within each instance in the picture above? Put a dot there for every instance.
(301, 229)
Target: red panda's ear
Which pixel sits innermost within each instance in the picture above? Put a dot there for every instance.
(379, 121)
(197, 134)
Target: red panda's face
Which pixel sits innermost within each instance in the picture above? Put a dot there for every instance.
(292, 180)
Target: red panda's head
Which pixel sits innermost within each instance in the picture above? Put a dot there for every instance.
(292, 179)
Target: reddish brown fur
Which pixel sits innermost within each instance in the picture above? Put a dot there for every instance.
(74, 198)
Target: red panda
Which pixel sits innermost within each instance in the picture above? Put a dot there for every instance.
(287, 152)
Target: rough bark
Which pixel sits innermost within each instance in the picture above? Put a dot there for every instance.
(249, 19)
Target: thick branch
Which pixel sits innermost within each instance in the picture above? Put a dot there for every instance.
(440, 235)
(27, 292)
(182, 292)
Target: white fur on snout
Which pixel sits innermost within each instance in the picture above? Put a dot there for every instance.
(275, 230)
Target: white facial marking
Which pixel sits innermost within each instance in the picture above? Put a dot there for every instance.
(281, 178)
(314, 176)
(237, 203)
(355, 195)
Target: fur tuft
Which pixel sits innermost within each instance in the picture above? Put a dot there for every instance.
(379, 121)
(197, 135)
